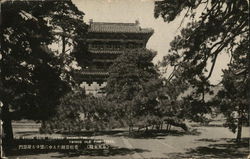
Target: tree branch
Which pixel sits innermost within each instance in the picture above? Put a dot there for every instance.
(183, 19)
(220, 48)
(212, 67)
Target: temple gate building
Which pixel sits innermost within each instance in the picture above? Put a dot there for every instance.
(105, 42)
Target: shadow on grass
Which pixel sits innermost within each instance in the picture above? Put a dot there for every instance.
(150, 134)
(208, 140)
(114, 151)
(26, 133)
(158, 134)
(95, 133)
(226, 148)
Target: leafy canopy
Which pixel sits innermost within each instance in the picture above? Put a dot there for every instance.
(33, 78)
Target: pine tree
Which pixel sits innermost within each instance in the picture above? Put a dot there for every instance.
(33, 78)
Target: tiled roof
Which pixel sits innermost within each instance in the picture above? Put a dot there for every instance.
(118, 28)
(95, 73)
(106, 51)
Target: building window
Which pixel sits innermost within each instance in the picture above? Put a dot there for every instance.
(108, 46)
(101, 46)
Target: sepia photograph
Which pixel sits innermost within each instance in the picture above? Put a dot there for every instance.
(124, 79)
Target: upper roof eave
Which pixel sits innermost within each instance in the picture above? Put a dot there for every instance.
(103, 27)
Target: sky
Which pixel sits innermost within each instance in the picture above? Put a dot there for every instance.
(127, 11)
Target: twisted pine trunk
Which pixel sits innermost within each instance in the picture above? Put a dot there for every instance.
(239, 125)
(7, 128)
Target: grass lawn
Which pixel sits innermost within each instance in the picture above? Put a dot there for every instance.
(206, 142)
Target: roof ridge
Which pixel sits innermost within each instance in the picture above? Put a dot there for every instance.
(114, 23)
(115, 27)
